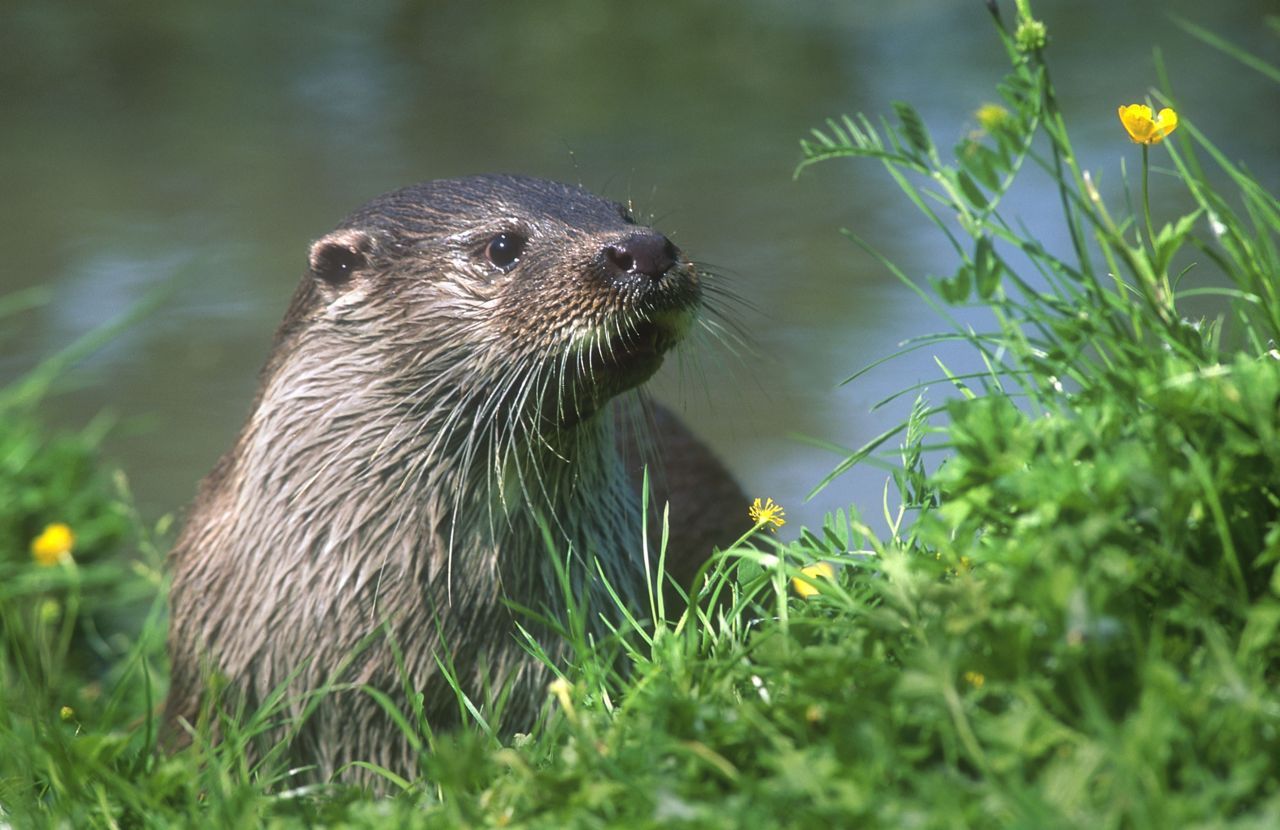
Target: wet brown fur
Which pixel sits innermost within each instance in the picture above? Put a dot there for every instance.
(420, 414)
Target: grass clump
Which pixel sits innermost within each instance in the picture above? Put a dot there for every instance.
(80, 626)
(1074, 619)
(1107, 516)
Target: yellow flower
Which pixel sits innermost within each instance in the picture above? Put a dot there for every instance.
(804, 587)
(1143, 128)
(53, 545)
(769, 513)
(66, 713)
(991, 116)
(561, 689)
(976, 679)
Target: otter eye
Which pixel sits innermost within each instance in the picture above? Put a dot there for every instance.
(504, 250)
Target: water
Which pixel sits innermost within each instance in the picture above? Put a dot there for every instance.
(204, 146)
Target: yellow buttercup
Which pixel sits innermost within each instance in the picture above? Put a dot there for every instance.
(53, 545)
(1145, 129)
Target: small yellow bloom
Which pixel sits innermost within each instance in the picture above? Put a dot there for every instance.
(560, 689)
(1143, 128)
(991, 116)
(66, 713)
(769, 513)
(804, 587)
(53, 545)
(976, 679)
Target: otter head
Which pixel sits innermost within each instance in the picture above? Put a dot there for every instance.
(508, 297)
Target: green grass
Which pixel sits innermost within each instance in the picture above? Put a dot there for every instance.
(1074, 621)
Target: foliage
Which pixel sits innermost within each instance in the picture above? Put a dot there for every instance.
(1073, 621)
(70, 649)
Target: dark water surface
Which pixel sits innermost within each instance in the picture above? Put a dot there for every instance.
(205, 145)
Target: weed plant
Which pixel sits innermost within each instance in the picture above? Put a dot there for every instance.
(1072, 622)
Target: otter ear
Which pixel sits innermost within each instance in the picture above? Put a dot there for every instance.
(336, 258)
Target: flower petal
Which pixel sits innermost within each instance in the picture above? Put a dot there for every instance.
(1137, 121)
(804, 587)
(1166, 122)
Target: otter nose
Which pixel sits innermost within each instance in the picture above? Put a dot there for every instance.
(648, 254)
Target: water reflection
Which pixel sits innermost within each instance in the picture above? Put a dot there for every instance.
(146, 141)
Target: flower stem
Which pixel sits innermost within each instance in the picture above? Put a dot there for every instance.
(1163, 291)
(1146, 201)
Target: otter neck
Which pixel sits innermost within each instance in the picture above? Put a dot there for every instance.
(431, 493)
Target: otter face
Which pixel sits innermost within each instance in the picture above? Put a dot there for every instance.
(545, 291)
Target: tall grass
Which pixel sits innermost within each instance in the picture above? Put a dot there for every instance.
(1072, 621)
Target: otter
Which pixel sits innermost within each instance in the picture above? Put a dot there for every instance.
(440, 417)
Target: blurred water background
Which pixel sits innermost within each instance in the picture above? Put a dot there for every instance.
(203, 146)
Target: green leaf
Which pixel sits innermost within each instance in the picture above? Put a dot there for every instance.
(986, 268)
(969, 188)
(849, 138)
(1250, 60)
(1170, 238)
(955, 290)
(981, 162)
(913, 129)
